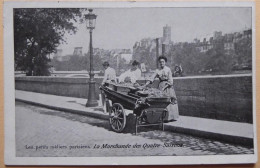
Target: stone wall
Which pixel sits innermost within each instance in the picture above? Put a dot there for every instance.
(224, 98)
(217, 97)
(62, 86)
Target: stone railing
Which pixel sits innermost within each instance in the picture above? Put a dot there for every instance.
(216, 97)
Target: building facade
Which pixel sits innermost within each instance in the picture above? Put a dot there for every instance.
(78, 51)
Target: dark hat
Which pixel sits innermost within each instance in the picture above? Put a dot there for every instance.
(105, 63)
(135, 63)
(162, 57)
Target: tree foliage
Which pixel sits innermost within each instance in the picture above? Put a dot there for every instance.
(244, 51)
(146, 55)
(216, 60)
(79, 63)
(186, 55)
(37, 34)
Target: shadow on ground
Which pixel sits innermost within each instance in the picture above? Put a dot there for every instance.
(73, 101)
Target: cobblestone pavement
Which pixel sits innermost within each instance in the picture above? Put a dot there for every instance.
(43, 132)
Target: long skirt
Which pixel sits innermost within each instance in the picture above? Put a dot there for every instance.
(173, 111)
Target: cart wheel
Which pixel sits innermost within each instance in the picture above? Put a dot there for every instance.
(117, 117)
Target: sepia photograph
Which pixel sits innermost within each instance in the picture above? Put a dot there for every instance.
(129, 83)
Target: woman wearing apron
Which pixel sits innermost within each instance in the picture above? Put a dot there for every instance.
(166, 85)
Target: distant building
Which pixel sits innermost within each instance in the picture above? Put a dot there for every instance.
(122, 54)
(105, 54)
(101, 52)
(196, 40)
(237, 37)
(78, 51)
(136, 45)
(204, 47)
(62, 58)
(227, 41)
(146, 42)
(59, 57)
(127, 57)
(126, 51)
(247, 33)
(217, 35)
(166, 35)
(165, 42)
(211, 40)
(120, 51)
(229, 44)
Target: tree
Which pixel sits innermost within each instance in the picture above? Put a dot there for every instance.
(186, 55)
(97, 62)
(37, 34)
(146, 55)
(244, 51)
(219, 60)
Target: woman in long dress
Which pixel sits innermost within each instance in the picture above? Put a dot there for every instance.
(166, 85)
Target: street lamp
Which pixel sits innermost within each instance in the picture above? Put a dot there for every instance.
(91, 21)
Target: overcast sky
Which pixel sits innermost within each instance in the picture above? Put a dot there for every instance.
(121, 28)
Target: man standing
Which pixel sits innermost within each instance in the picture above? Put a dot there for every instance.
(109, 77)
(110, 74)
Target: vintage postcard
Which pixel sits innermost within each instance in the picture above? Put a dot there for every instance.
(129, 83)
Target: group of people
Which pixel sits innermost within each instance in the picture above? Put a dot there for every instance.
(163, 73)
(130, 76)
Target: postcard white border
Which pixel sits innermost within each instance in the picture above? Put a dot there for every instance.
(9, 93)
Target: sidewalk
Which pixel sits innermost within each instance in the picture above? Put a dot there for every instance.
(234, 132)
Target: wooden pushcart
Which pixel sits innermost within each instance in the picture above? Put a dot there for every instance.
(148, 111)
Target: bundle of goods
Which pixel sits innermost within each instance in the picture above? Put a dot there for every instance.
(123, 84)
(130, 85)
(125, 87)
(153, 92)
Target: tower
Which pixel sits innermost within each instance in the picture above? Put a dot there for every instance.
(166, 34)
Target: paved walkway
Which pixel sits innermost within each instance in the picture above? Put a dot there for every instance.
(45, 132)
(235, 132)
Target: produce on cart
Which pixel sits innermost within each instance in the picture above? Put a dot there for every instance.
(148, 105)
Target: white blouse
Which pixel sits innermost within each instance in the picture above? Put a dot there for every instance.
(164, 74)
(133, 75)
(110, 75)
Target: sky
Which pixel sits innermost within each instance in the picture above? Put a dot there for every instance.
(120, 28)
